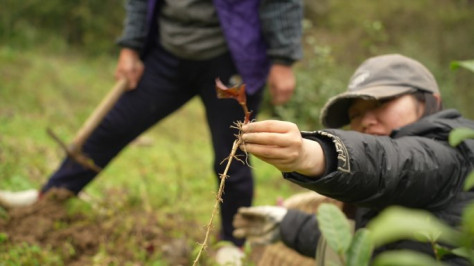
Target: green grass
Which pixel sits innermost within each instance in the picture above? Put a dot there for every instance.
(171, 173)
(46, 84)
(45, 88)
(58, 91)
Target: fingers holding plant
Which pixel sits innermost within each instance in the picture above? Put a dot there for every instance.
(280, 143)
(276, 142)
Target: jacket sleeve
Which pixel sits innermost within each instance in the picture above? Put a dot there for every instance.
(281, 22)
(300, 231)
(134, 32)
(377, 171)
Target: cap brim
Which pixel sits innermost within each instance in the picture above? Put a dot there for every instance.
(335, 113)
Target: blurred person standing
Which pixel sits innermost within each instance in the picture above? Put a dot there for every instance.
(174, 50)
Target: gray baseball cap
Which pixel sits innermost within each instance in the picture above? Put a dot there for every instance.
(378, 78)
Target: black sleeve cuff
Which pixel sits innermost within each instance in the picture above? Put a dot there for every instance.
(329, 151)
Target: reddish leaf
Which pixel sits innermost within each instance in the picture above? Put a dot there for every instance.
(236, 92)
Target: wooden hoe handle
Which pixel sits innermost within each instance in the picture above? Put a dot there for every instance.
(100, 111)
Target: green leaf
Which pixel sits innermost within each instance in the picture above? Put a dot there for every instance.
(405, 257)
(458, 135)
(335, 227)
(468, 222)
(361, 248)
(441, 251)
(397, 223)
(464, 252)
(469, 183)
(467, 64)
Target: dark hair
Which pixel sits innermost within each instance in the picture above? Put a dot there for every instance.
(431, 103)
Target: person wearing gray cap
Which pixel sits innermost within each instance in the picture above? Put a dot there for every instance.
(396, 153)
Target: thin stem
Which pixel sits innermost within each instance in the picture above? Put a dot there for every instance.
(223, 177)
(247, 113)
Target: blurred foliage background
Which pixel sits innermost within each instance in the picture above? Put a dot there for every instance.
(57, 60)
(339, 35)
(87, 26)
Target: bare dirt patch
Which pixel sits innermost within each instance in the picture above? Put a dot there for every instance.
(84, 235)
(78, 233)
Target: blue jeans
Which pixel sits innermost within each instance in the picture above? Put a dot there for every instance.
(167, 84)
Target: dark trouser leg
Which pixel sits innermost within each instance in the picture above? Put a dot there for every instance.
(221, 114)
(158, 94)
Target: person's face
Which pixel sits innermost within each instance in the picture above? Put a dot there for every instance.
(377, 117)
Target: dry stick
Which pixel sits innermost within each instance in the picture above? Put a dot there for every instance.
(223, 177)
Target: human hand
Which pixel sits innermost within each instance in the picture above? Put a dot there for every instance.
(259, 225)
(281, 82)
(129, 66)
(280, 144)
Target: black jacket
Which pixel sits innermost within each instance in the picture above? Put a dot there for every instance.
(415, 167)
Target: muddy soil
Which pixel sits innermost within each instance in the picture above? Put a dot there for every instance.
(133, 236)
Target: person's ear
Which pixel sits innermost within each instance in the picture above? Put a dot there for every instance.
(437, 96)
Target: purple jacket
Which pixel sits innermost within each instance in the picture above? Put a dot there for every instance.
(242, 28)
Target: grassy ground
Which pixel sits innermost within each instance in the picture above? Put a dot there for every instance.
(168, 170)
(167, 173)
(165, 180)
